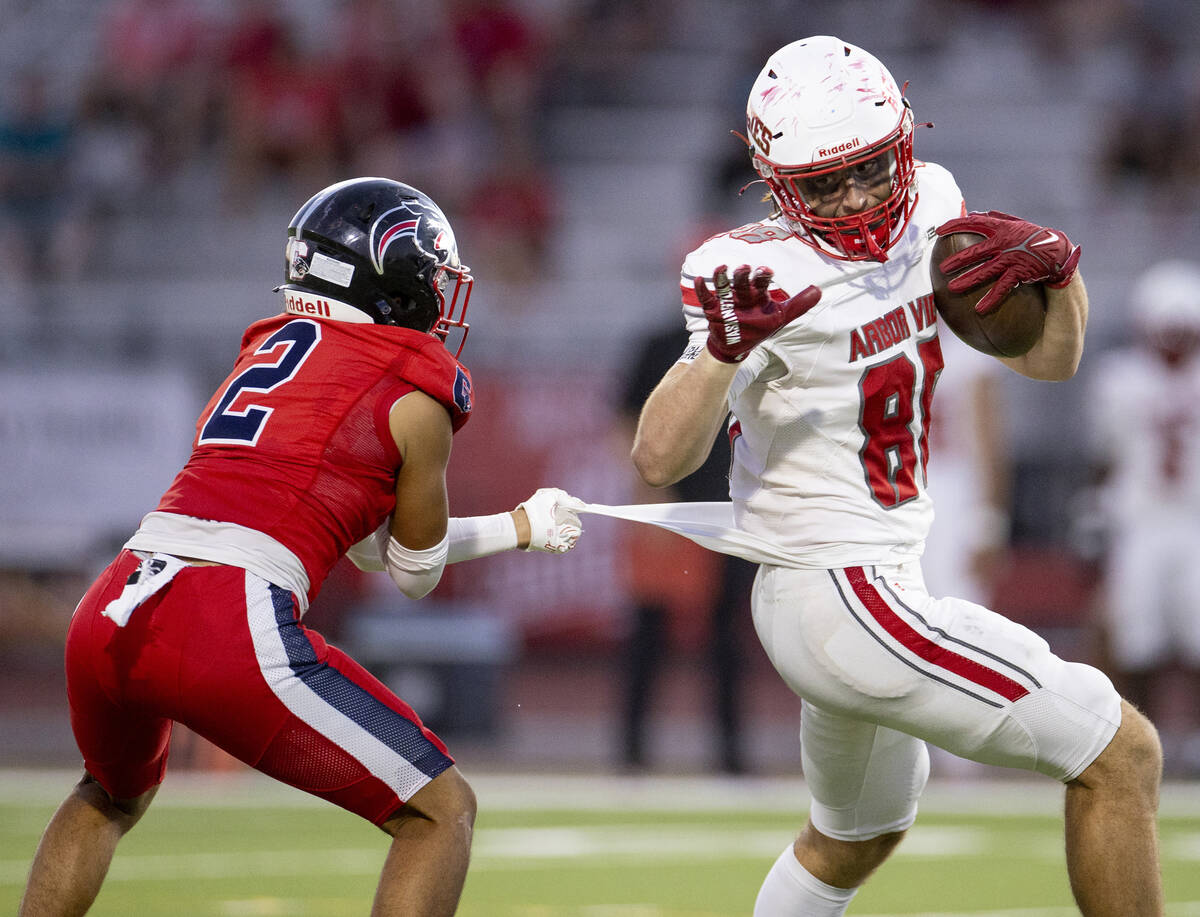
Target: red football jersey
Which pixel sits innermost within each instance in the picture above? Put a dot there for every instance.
(295, 443)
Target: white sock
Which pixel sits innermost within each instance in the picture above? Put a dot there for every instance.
(790, 890)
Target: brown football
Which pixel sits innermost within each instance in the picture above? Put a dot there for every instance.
(1010, 330)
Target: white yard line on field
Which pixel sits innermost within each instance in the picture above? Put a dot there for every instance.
(585, 847)
(601, 792)
(1176, 909)
(239, 864)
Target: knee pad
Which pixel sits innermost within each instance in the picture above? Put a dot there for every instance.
(875, 795)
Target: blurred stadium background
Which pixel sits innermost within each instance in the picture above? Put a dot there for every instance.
(152, 152)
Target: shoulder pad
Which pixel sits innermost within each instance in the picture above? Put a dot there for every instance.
(429, 366)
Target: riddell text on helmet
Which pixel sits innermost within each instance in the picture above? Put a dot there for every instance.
(297, 303)
(840, 147)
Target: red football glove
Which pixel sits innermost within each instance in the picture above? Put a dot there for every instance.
(742, 314)
(1014, 251)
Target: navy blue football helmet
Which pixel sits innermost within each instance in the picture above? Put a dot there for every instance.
(384, 248)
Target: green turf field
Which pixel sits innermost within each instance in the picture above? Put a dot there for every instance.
(601, 847)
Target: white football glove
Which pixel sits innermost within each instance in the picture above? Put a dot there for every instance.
(554, 525)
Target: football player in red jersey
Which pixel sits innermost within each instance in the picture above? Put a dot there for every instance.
(826, 358)
(330, 437)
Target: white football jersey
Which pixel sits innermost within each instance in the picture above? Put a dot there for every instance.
(1145, 421)
(1145, 424)
(830, 416)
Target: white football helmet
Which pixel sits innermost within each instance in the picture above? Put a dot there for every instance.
(1166, 303)
(821, 105)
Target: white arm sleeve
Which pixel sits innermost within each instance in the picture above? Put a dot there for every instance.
(368, 555)
(416, 572)
(479, 536)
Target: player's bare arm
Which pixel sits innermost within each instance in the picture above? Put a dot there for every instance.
(1055, 357)
(1016, 251)
(683, 414)
(422, 431)
(415, 554)
(681, 419)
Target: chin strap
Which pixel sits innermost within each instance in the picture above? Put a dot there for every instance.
(876, 251)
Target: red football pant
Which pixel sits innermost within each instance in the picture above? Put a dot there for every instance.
(223, 652)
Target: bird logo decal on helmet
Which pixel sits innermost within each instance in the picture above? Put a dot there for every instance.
(388, 227)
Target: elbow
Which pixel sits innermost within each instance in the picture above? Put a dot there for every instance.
(1067, 365)
(1058, 372)
(417, 592)
(1048, 364)
(416, 572)
(1065, 374)
(652, 469)
(416, 586)
(1046, 375)
(654, 479)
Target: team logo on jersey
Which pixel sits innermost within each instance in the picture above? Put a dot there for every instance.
(462, 391)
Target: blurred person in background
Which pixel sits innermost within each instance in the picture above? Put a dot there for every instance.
(1152, 140)
(826, 355)
(606, 41)
(1145, 421)
(511, 208)
(330, 437)
(153, 65)
(403, 112)
(501, 50)
(36, 205)
(724, 594)
(280, 112)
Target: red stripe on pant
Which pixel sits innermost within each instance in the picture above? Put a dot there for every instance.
(926, 648)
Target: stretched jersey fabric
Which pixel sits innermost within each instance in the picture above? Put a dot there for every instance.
(295, 446)
(830, 416)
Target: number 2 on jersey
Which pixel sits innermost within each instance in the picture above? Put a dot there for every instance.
(890, 402)
(244, 425)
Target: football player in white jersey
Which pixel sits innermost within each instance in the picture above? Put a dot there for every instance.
(823, 352)
(1145, 419)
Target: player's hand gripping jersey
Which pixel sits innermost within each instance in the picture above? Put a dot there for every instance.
(293, 461)
(831, 415)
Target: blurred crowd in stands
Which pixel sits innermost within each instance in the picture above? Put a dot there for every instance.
(243, 102)
(444, 94)
(449, 95)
